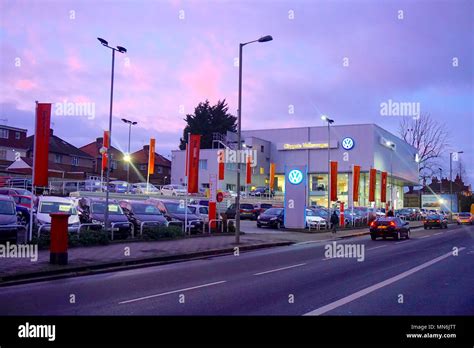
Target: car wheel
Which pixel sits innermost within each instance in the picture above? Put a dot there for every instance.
(259, 226)
(425, 227)
(408, 235)
(373, 237)
(397, 236)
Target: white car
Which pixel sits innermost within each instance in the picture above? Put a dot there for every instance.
(200, 210)
(51, 204)
(313, 220)
(173, 190)
(143, 188)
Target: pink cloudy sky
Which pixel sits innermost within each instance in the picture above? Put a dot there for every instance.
(49, 53)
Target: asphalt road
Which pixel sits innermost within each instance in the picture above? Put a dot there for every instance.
(419, 276)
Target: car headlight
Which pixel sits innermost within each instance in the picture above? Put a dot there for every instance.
(273, 219)
(258, 217)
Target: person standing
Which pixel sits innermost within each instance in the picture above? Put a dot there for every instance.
(334, 221)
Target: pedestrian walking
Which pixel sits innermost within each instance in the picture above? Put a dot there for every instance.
(334, 221)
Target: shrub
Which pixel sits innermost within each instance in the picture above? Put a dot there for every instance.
(160, 232)
(85, 238)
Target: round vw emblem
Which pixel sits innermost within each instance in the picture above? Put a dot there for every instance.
(347, 143)
(295, 176)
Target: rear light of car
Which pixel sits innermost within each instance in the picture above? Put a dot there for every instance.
(373, 224)
(436, 220)
(392, 223)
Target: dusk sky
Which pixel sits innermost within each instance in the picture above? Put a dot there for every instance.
(340, 58)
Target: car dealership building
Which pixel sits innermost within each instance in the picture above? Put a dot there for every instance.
(366, 145)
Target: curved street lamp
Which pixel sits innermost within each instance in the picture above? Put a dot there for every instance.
(121, 50)
(239, 135)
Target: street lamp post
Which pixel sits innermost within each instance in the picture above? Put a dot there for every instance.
(239, 136)
(451, 182)
(440, 180)
(107, 180)
(329, 122)
(127, 158)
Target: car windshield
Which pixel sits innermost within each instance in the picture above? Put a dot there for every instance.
(22, 192)
(145, 209)
(246, 206)
(465, 214)
(273, 211)
(433, 217)
(56, 207)
(310, 212)
(99, 208)
(174, 208)
(7, 208)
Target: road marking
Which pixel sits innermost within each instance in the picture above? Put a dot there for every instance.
(382, 246)
(313, 241)
(280, 269)
(403, 241)
(329, 307)
(437, 233)
(425, 236)
(172, 292)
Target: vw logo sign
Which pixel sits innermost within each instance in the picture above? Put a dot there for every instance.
(347, 143)
(295, 176)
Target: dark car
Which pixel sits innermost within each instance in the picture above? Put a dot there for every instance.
(139, 213)
(93, 211)
(176, 214)
(261, 191)
(247, 211)
(273, 217)
(8, 219)
(261, 207)
(435, 220)
(389, 227)
(13, 191)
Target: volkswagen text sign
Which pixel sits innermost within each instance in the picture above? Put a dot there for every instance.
(295, 196)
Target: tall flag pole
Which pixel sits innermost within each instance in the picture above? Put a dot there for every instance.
(39, 172)
(151, 161)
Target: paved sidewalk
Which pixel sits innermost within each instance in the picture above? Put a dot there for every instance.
(121, 254)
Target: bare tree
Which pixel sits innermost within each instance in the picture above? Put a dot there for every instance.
(429, 137)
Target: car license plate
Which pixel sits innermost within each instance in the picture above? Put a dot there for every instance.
(381, 227)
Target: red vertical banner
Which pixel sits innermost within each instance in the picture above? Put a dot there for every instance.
(383, 188)
(272, 176)
(249, 171)
(333, 180)
(221, 170)
(355, 183)
(151, 157)
(41, 145)
(341, 215)
(212, 214)
(105, 144)
(372, 180)
(193, 163)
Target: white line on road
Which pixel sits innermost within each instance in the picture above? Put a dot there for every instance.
(382, 246)
(172, 292)
(437, 233)
(425, 236)
(363, 292)
(280, 269)
(313, 241)
(403, 241)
